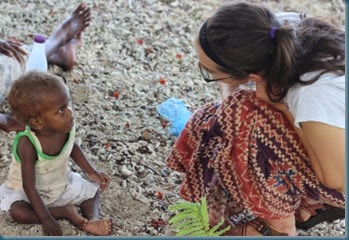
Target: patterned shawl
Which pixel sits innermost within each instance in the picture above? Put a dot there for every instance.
(255, 153)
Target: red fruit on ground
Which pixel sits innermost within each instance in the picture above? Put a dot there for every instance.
(162, 81)
(116, 95)
(140, 41)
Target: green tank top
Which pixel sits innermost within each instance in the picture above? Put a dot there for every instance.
(51, 172)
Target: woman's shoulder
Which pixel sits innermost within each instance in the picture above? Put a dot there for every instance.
(326, 82)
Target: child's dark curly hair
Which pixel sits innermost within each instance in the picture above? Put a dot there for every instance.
(27, 95)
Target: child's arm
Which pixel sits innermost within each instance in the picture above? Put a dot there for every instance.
(27, 154)
(79, 158)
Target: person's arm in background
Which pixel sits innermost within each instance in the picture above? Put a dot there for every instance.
(11, 49)
(8, 124)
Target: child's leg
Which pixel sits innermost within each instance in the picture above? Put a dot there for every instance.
(90, 207)
(90, 210)
(22, 212)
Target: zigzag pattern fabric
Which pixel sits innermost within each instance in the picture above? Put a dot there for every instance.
(255, 154)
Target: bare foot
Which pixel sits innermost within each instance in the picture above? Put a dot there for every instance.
(305, 215)
(101, 227)
(65, 56)
(69, 29)
(74, 217)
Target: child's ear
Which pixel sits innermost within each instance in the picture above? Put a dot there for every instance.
(36, 123)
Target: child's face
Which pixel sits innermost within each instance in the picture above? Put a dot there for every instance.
(58, 116)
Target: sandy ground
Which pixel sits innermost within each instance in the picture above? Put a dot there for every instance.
(116, 88)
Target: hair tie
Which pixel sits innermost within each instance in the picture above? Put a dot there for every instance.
(272, 32)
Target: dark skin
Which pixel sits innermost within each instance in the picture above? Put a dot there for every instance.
(52, 128)
(12, 49)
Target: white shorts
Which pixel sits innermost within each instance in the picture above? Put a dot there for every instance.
(77, 191)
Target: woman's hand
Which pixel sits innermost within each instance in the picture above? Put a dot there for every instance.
(101, 178)
(12, 49)
(51, 227)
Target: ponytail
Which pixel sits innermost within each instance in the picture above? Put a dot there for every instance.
(283, 60)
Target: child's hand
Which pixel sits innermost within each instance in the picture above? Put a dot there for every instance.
(101, 178)
(51, 227)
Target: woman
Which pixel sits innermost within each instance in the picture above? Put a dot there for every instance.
(60, 47)
(264, 154)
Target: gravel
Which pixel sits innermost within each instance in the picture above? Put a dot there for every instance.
(136, 55)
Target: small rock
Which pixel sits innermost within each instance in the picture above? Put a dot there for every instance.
(165, 172)
(125, 172)
(147, 134)
(101, 151)
(124, 184)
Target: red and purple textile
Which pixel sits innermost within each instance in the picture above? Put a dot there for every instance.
(255, 154)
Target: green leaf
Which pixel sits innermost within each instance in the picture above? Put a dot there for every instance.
(182, 216)
(214, 229)
(204, 213)
(192, 219)
(183, 205)
(199, 233)
(188, 231)
(187, 224)
(221, 232)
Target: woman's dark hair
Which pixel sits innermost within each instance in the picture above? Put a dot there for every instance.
(239, 34)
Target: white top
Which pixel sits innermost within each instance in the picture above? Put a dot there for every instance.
(322, 101)
(51, 172)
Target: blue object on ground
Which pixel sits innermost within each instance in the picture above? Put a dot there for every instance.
(174, 111)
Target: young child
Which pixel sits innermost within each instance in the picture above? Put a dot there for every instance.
(40, 188)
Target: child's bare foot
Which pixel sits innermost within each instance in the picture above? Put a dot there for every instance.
(69, 29)
(65, 56)
(100, 227)
(74, 217)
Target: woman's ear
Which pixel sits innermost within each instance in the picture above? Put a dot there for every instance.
(255, 77)
(36, 123)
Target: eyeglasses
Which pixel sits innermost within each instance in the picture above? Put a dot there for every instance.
(207, 76)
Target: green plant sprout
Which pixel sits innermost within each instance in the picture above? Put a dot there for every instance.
(192, 219)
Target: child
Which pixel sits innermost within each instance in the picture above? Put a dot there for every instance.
(40, 188)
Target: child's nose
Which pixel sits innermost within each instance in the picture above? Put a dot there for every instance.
(70, 112)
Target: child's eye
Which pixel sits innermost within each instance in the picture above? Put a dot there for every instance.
(61, 110)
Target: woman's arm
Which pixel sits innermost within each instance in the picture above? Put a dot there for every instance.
(325, 147)
(328, 144)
